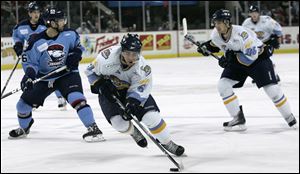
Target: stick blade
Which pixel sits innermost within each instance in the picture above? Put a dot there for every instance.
(184, 24)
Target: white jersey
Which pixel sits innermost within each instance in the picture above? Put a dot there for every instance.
(264, 28)
(241, 40)
(137, 79)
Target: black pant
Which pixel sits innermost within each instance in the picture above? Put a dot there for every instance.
(112, 109)
(261, 71)
(65, 84)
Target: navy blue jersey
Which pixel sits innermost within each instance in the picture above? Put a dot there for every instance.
(24, 29)
(45, 54)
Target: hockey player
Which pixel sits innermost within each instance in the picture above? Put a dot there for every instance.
(47, 51)
(24, 30)
(123, 72)
(245, 55)
(267, 30)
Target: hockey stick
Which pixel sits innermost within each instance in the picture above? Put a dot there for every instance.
(35, 81)
(189, 38)
(19, 58)
(134, 118)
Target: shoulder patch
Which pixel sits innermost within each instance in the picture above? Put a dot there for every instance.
(244, 35)
(34, 38)
(147, 69)
(105, 53)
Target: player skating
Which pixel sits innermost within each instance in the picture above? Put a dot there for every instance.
(267, 30)
(245, 55)
(21, 33)
(47, 51)
(122, 71)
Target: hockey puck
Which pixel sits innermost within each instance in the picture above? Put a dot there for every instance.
(174, 169)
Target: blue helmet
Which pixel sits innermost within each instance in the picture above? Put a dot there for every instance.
(253, 8)
(131, 42)
(53, 14)
(33, 6)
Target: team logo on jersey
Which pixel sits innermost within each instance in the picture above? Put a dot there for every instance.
(119, 84)
(260, 35)
(57, 54)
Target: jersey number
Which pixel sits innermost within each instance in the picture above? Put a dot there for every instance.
(24, 58)
(250, 51)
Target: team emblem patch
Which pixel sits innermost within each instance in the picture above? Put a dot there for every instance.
(244, 35)
(147, 69)
(56, 54)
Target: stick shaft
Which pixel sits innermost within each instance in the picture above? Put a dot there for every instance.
(2, 92)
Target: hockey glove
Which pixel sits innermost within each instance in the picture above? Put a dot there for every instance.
(229, 57)
(223, 62)
(73, 59)
(108, 89)
(273, 41)
(18, 47)
(202, 49)
(132, 106)
(28, 78)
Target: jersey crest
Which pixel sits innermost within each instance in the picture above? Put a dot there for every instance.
(56, 54)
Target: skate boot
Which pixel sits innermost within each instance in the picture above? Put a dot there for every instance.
(94, 134)
(237, 124)
(174, 148)
(62, 104)
(277, 78)
(292, 122)
(139, 138)
(20, 132)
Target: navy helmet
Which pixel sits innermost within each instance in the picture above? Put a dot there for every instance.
(221, 14)
(53, 14)
(32, 6)
(131, 42)
(253, 8)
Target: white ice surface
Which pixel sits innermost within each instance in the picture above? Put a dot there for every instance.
(186, 92)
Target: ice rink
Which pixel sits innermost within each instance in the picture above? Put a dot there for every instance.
(186, 92)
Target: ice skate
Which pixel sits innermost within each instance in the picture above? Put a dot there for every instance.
(237, 124)
(292, 122)
(174, 148)
(20, 132)
(94, 134)
(139, 138)
(62, 104)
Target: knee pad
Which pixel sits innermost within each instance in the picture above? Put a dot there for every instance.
(121, 125)
(225, 87)
(77, 100)
(152, 119)
(24, 110)
(274, 92)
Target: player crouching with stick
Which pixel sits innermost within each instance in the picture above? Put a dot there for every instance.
(122, 72)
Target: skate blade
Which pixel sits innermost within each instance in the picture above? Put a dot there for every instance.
(91, 139)
(295, 127)
(237, 128)
(17, 138)
(64, 108)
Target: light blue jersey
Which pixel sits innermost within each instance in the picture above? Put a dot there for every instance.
(24, 29)
(46, 54)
